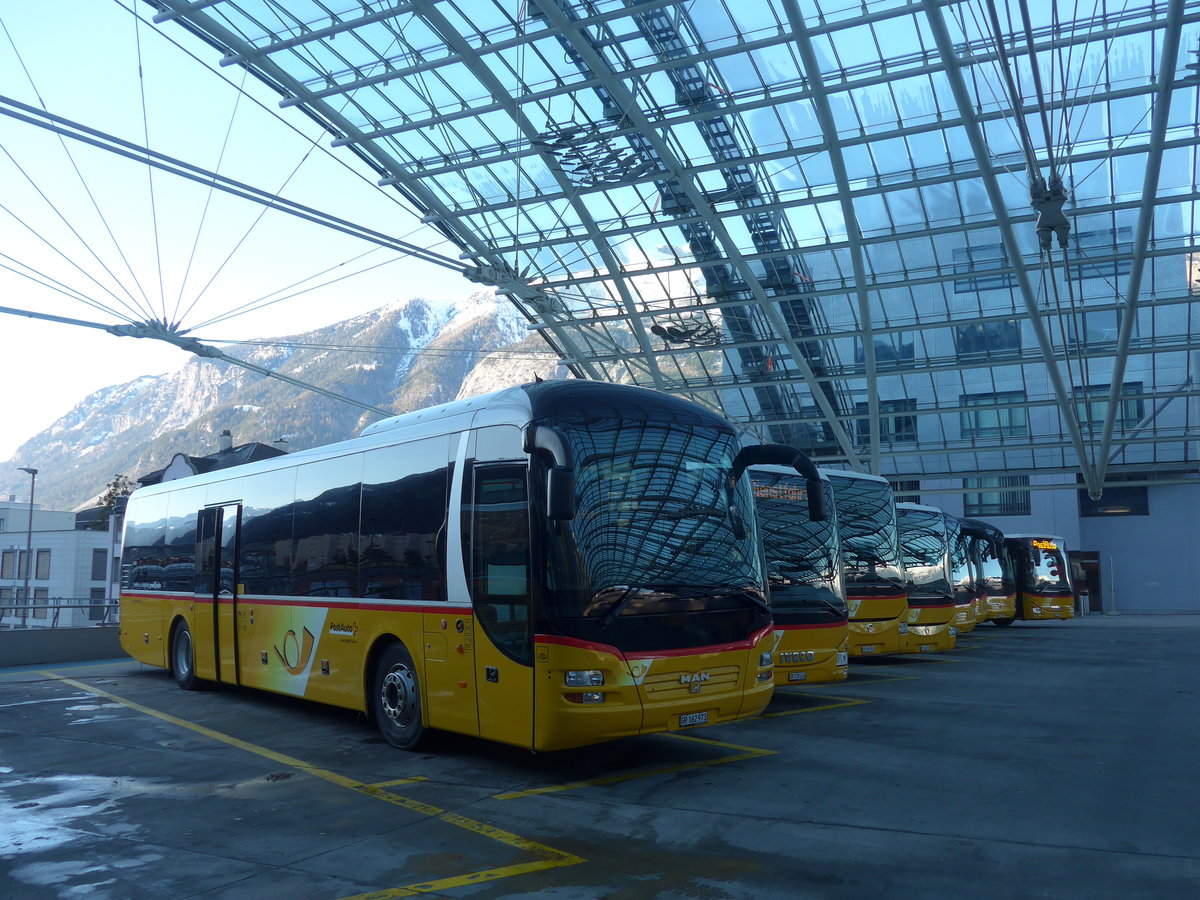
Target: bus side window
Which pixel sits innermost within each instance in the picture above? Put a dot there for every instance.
(500, 558)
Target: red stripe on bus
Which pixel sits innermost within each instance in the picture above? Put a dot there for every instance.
(653, 654)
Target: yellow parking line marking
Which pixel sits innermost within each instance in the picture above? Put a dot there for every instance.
(743, 753)
(843, 701)
(383, 784)
(549, 857)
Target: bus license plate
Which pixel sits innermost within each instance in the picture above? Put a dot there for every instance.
(797, 676)
(868, 648)
(687, 719)
(926, 648)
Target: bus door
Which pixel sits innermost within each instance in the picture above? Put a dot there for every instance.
(217, 589)
(449, 630)
(498, 561)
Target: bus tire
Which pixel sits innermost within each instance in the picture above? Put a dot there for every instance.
(183, 657)
(397, 698)
(1003, 623)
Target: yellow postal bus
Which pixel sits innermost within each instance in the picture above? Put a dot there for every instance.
(1043, 577)
(548, 566)
(995, 574)
(925, 545)
(804, 572)
(875, 591)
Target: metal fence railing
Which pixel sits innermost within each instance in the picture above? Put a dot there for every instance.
(58, 613)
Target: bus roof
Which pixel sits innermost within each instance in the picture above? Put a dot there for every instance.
(847, 473)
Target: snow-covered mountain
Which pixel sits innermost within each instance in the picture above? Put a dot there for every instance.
(405, 356)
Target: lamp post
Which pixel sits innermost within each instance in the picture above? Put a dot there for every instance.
(33, 473)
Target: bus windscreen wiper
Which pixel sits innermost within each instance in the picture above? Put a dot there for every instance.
(618, 607)
(684, 593)
(689, 512)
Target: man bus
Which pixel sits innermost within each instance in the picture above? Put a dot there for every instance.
(995, 570)
(875, 591)
(925, 546)
(548, 566)
(1043, 578)
(804, 573)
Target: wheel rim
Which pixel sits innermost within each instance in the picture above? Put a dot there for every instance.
(183, 653)
(397, 696)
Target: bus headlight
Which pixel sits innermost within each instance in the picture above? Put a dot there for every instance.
(764, 659)
(584, 678)
(765, 676)
(903, 628)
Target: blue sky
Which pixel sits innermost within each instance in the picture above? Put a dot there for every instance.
(141, 244)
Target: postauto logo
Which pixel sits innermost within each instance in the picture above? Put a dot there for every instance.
(347, 629)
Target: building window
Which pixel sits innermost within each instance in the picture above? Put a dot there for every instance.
(893, 428)
(41, 599)
(1091, 405)
(96, 610)
(987, 338)
(890, 349)
(996, 495)
(22, 563)
(6, 593)
(994, 415)
(8, 564)
(1101, 328)
(99, 564)
(1118, 499)
(906, 491)
(43, 565)
(986, 268)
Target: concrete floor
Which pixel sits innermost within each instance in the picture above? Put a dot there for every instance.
(1045, 760)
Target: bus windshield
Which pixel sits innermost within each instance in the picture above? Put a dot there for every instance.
(867, 523)
(961, 575)
(804, 567)
(923, 542)
(1049, 569)
(658, 529)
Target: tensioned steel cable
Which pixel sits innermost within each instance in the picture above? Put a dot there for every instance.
(162, 293)
(1015, 97)
(1037, 85)
(177, 317)
(58, 251)
(31, 115)
(140, 309)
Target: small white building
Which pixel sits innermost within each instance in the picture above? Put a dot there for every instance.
(71, 580)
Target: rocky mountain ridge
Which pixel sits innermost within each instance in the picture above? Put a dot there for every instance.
(404, 356)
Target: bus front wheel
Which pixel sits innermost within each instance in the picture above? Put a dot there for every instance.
(1003, 623)
(183, 657)
(398, 699)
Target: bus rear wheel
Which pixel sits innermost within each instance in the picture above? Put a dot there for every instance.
(1003, 623)
(397, 698)
(183, 657)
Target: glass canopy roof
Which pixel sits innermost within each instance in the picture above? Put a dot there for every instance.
(925, 239)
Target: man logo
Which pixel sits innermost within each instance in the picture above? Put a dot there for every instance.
(695, 680)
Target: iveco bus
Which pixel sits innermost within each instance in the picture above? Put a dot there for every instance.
(996, 583)
(1043, 579)
(875, 591)
(548, 566)
(804, 573)
(925, 546)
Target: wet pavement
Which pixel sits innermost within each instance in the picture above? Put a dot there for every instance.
(1045, 760)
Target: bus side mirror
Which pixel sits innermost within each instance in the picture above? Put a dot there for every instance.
(560, 477)
(560, 494)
